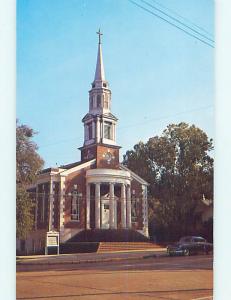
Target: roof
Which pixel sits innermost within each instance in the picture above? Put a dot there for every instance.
(106, 115)
(48, 170)
(99, 72)
(66, 167)
(71, 165)
(134, 175)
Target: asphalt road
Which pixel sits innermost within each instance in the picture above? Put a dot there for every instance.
(160, 278)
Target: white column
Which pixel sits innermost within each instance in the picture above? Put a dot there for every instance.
(51, 206)
(114, 131)
(96, 130)
(111, 207)
(145, 210)
(88, 194)
(115, 213)
(61, 207)
(123, 206)
(93, 130)
(101, 130)
(97, 205)
(129, 220)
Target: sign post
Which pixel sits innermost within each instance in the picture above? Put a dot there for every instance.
(52, 240)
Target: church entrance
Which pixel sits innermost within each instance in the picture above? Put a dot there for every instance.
(104, 213)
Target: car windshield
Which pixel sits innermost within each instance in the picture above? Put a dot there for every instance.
(198, 240)
(185, 240)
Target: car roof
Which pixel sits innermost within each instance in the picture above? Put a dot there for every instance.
(192, 236)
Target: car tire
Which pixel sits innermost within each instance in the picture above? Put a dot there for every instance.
(207, 252)
(186, 252)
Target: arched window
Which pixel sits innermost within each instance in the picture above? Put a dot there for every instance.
(90, 131)
(98, 100)
(106, 102)
(108, 130)
(91, 102)
(134, 208)
(75, 202)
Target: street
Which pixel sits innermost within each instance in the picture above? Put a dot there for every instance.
(161, 278)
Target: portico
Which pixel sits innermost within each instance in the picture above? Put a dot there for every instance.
(111, 178)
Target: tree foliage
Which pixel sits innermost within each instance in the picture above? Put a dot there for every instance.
(179, 170)
(28, 163)
(24, 208)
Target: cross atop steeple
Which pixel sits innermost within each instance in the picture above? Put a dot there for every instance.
(99, 72)
(99, 33)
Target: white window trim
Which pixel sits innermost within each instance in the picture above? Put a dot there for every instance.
(134, 208)
(75, 198)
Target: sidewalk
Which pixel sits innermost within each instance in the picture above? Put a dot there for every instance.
(87, 257)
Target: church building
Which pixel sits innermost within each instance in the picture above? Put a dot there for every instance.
(96, 193)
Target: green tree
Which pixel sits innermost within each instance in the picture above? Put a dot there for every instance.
(181, 172)
(28, 163)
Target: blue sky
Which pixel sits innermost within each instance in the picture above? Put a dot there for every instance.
(158, 75)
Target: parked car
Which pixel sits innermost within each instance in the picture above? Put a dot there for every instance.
(189, 245)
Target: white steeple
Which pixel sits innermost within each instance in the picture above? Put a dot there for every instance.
(99, 122)
(99, 80)
(99, 72)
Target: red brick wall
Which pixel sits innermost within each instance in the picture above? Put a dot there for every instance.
(88, 153)
(79, 179)
(137, 187)
(97, 151)
(101, 161)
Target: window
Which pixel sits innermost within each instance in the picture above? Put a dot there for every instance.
(75, 207)
(106, 206)
(198, 240)
(106, 102)
(90, 131)
(91, 102)
(185, 240)
(98, 100)
(104, 85)
(134, 202)
(108, 130)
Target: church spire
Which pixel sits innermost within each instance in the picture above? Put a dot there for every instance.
(99, 72)
(99, 122)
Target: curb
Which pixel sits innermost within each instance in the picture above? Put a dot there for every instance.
(21, 263)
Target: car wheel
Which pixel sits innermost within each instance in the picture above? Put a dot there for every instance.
(207, 252)
(186, 252)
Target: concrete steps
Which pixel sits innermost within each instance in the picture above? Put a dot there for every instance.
(126, 246)
(109, 235)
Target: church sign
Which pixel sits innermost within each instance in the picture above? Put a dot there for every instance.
(52, 240)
